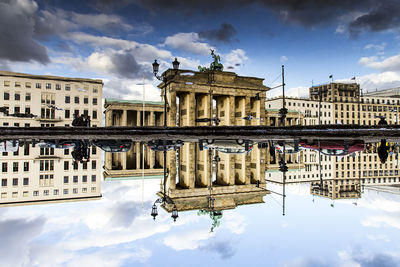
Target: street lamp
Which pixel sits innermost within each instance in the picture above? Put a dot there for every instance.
(164, 78)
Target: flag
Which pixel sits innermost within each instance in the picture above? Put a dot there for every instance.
(354, 78)
(330, 76)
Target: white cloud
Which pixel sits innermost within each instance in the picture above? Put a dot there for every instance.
(283, 59)
(100, 21)
(235, 59)
(187, 240)
(142, 52)
(189, 42)
(378, 47)
(388, 64)
(234, 222)
(300, 91)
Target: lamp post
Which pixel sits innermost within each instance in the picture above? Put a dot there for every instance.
(164, 78)
(164, 198)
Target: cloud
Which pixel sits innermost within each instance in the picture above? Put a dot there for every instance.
(224, 34)
(378, 47)
(360, 16)
(17, 26)
(235, 59)
(189, 42)
(283, 59)
(223, 248)
(388, 64)
(299, 91)
(125, 213)
(383, 16)
(142, 52)
(187, 240)
(102, 22)
(16, 237)
(359, 257)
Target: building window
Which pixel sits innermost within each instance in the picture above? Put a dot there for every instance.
(65, 179)
(6, 83)
(94, 114)
(15, 181)
(28, 85)
(76, 100)
(48, 85)
(66, 165)
(75, 191)
(75, 178)
(16, 110)
(86, 100)
(93, 165)
(55, 192)
(67, 113)
(17, 96)
(6, 96)
(75, 164)
(67, 99)
(95, 90)
(38, 85)
(26, 166)
(67, 87)
(84, 165)
(26, 181)
(84, 178)
(93, 178)
(3, 182)
(58, 87)
(94, 101)
(15, 166)
(27, 110)
(4, 167)
(65, 191)
(28, 97)
(17, 84)
(86, 112)
(35, 193)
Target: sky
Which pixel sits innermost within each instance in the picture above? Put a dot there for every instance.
(119, 231)
(117, 41)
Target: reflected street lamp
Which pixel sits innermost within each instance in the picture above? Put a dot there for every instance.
(164, 78)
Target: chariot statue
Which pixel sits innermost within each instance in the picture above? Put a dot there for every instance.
(215, 65)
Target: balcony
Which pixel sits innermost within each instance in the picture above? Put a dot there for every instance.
(49, 119)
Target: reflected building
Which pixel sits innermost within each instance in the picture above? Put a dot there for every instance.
(213, 181)
(342, 176)
(139, 160)
(35, 175)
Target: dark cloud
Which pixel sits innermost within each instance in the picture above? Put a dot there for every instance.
(385, 16)
(126, 66)
(375, 16)
(223, 248)
(17, 31)
(224, 34)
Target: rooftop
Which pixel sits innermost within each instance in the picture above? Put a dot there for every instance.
(121, 101)
(48, 77)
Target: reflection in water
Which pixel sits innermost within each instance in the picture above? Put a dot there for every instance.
(45, 172)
